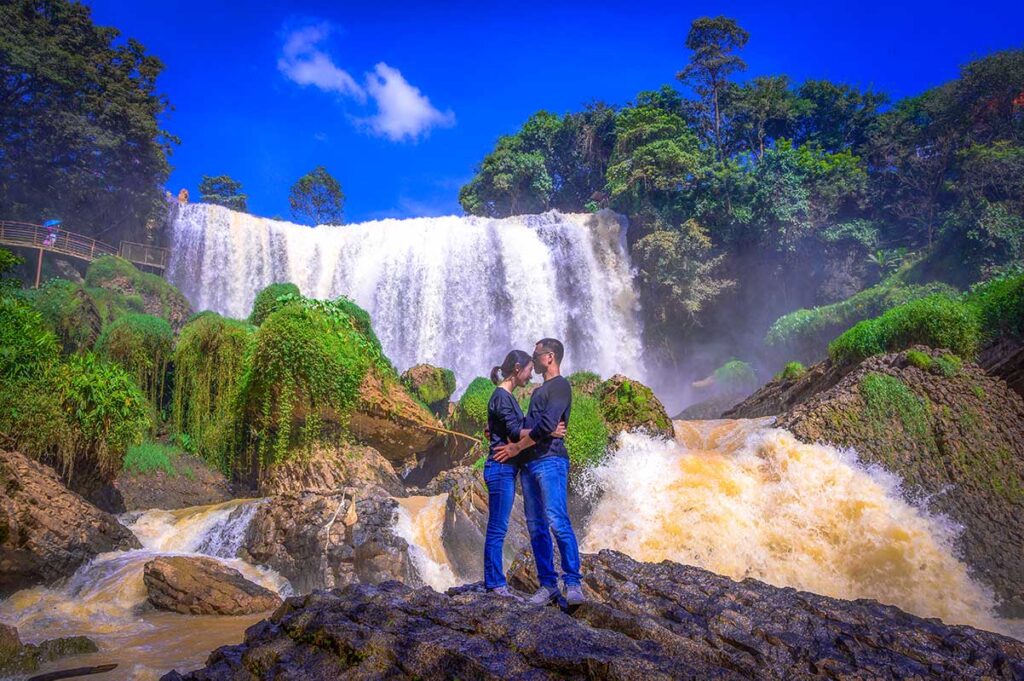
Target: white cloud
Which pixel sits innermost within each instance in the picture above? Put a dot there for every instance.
(402, 110)
(302, 62)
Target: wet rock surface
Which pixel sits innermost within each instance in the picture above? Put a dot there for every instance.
(956, 442)
(17, 657)
(630, 405)
(432, 385)
(644, 621)
(318, 540)
(329, 468)
(193, 484)
(47, 531)
(194, 585)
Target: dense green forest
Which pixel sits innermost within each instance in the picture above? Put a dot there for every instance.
(749, 199)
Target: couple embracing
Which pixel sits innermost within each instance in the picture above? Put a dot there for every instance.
(532, 448)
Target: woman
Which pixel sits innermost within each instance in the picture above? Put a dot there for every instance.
(504, 425)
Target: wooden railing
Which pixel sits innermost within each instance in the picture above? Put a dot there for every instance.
(28, 235)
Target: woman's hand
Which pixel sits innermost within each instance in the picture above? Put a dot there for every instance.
(559, 432)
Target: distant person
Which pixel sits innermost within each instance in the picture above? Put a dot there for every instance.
(505, 424)
(544, 474)
(183, 197)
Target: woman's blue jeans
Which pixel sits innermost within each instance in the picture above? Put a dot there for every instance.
(501, 493)
(545, 488)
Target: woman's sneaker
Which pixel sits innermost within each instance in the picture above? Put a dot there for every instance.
(505, 592)
(574, 595)
(543, 596)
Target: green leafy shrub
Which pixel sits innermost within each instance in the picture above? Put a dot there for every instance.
(147, 457)
(209, 360)
(585, 382)
(69, 311)
(472, 406)
(735, 375)
(1000, 305)
(305, 372)
(129, 283)
(791, 372)
(431, 385)
(27, 346)
(143, 345)
(936, 321)
(586, 436)
(948, 365)
(266, 302)
(80, 413)
(8, 263)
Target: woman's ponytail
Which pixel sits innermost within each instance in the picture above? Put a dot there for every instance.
(496, 375)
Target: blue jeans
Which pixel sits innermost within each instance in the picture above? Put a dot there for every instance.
(545, 486)
(501, 493)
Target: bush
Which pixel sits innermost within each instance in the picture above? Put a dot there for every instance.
(735, 375)
(266, 302)
(585, 382)
(69, 311)
(83, 412)
(142, 344)
(432, 386)
(209, 362)
(147, 457)
(306, 370)
(791, 372)
(936, 321)
(472, 406)
(586, 436)
(27, 347)
(130, 284)
(1000, 306)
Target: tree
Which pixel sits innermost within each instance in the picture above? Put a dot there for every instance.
(222, 190)
(713, 42)
(317, 197)
(80, 132)
(511, 180)
(761, 110)
(834, 116)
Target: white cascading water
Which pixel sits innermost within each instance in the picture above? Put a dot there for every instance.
(420, 522)
(745, 500)
(451, 291)
(105, 599)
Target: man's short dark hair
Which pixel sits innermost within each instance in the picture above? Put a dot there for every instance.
(555, 346)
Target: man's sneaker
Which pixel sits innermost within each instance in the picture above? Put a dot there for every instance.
(574, 595)
(505, 592)
(543, 596)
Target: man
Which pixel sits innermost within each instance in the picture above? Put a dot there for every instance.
(544, 475)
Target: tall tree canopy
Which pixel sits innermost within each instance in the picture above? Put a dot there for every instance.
(316, 197)
(80, 131)
(223, 191)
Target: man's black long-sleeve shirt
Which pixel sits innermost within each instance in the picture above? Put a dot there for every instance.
(549, 404)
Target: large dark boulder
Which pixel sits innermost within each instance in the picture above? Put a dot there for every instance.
(630, 405)
(194, 585)
(193, 483)
(46, 530)
(646, 621)
(433, 386)
(17, 657)
(327, 468)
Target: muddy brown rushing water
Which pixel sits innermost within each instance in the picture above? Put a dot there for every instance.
(733, 496)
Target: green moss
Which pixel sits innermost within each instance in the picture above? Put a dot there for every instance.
(627, 403)
(147, 457)
(887, 398)
(735, 375)
(27, 346)
(433, 388)
(585, 382)
(936, 321)
(209, 361)
(586, 437)
(472, 406)
(142, 344)
(922, 360)
(978, 391)
(948, 364)
(791, 372)
(306, 370)
(267, 301)
(69, 311)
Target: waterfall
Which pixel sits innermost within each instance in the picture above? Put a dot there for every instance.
(452, 291)
(745, 500)
(420, 522)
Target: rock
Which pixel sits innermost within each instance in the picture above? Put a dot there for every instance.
(645, 621)
(159, 298)
(327, 469)
(194, 585)
(47, 531)
(782, 394)
(1005, 358)
(193, 484)
(432, 385)
(630, 405)
(316, 540)
(18, 657)
(956, 442)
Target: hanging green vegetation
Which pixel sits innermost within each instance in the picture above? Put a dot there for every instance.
(27, 347)
(471, 410)
(142, 344)
(209, 361)
(301, 385)
(266, 302)
(69, 311)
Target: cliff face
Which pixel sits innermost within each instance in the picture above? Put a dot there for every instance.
(644, 621)
(952, 433)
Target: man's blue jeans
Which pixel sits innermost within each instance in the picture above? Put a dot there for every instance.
(545, 486)
(501, 493)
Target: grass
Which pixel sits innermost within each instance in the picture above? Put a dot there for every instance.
(887, 398)
(148, 457)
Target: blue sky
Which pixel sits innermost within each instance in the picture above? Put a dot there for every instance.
(401, 100)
